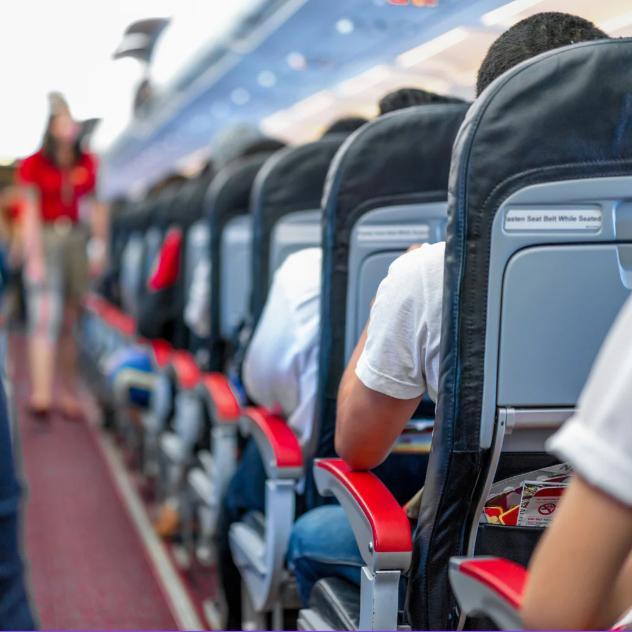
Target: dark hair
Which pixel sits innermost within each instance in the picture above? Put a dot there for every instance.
(530, 37)
(407, 97)
(49, 144)
(345, 125)
(260, 146)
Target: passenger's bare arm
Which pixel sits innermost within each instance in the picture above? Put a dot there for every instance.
(581, 573)
(367, 422)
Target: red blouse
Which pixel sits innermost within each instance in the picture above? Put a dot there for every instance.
(60, 190)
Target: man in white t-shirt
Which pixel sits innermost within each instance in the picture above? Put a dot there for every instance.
(581, 573)
(397, 358)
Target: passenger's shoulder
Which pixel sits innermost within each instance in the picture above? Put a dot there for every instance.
(299, 274)
(303, 264)
(416, 263)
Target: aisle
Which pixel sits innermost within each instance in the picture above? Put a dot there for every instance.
(89, 569)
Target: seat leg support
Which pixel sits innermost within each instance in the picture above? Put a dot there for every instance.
(379, 600)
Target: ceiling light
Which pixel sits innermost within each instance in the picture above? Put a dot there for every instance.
(266, 79)
(508, 14)
(240, 96)
(312, 105)
(363, 81)
(617, 23)
(296, 61)
(433, 47)
(344, 26)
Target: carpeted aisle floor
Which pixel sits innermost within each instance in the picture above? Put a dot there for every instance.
(88, 567)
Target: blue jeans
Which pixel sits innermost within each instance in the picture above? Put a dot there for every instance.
(322, 545)
(15, 610)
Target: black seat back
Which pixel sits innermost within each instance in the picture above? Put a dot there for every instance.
(540, 192)
(290, 183)
(227, 197)
(399, 160)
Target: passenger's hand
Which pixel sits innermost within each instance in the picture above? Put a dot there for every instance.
(414, 247)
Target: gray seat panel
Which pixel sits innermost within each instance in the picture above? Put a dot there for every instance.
(197, 247)
(559, 273)
(292, 233)
(558, 303)
(377, 239)
(236, 256)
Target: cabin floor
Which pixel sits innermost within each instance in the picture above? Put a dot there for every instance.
(94, 559)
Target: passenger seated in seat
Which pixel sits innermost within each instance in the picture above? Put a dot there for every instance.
(397, 357)
(581, 572)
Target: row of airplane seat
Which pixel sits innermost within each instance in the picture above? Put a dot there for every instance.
(296, 344)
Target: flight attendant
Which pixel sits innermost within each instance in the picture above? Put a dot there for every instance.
(54, 181)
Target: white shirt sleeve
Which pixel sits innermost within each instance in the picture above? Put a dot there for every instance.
(281, 362)
(401, 355)
(597, 440)
(270, 349)
(197, 313)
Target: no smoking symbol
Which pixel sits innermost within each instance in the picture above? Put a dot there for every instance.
(547, 509)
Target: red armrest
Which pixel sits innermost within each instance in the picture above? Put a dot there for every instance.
(225, 404)
(185, 368)
(94, 303)
(124, 323)
(389, 524)
(491, 587)
(507, 579)
(279, 447)
(110, 313)
(161, 351)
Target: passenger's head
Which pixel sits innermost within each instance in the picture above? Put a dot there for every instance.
(530, 37)
(260, 146)
(238, 141)
(407, 97)
(345, 125)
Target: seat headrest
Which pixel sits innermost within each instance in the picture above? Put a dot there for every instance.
(228, 197)
(292, 180)
(229, 192)
(381, 161)
(570, 106)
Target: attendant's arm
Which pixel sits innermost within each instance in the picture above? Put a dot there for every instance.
(581, 574)
(367, 422)
(99, 229)
(32, 234)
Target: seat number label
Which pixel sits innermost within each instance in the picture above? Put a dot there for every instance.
(550, 220)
